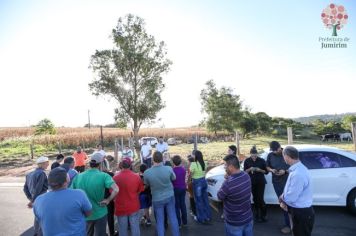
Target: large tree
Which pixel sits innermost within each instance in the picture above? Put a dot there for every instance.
(222, 106)
(131, 72)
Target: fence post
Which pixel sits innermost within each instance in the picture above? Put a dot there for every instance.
(59, 147)
(101, 137)
(237, 135)
(196, 142)
(353, 129)
(116, 151)
(122, 143)
(290, 135)
(31, 148)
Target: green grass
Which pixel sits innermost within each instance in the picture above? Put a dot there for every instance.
(20, 148)
(217, 150)
(214, 152)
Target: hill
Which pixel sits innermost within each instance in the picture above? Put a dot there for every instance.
(326, 117)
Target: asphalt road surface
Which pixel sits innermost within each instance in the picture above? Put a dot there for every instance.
(17, 219)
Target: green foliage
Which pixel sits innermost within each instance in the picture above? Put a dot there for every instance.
(248, 123)
(321, 127)
(264, 123)
(222, 107)
(347, 120)
(45, 126)
(131, 72)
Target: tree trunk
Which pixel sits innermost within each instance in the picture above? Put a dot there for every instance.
(334, 30)
(136, 139)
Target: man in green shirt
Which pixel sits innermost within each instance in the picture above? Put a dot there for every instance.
(93, 182)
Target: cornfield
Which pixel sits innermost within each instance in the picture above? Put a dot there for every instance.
(72, 137)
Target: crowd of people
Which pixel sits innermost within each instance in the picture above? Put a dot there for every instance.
(92, 198)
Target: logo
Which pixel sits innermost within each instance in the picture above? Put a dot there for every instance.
(334, 17)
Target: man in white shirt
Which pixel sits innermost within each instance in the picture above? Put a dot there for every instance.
(146, 153)
(127, 153)
(161, 146)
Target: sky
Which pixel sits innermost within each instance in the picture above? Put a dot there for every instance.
(267, 51)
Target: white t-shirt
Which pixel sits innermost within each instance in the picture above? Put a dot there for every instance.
(145, 150)
(162, 147)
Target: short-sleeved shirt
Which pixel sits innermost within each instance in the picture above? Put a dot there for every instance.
(145, 150)
(93, 182)
(80, 158)
(127, 154)
(180, 173)
(276, 161)
(162, 147)
(196, 170)
(130, 185)
(160, 178)
(62, 212)
(256, 177)
(236, 196)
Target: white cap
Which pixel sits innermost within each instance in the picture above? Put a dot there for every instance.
(98, 157)
(41, 159)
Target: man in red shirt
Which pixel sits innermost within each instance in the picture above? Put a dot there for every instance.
(127, 204)
(80, 158)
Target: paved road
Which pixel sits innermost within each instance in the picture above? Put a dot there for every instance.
(16, 219)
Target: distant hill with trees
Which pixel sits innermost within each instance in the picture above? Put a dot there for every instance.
(325, 118)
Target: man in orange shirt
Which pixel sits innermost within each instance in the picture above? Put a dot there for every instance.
(80, 158)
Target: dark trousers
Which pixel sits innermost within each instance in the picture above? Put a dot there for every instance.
(111, 219)
(303, 220)
(97, 227)
(278, 188)
(258, 190)
(148, 162)
(80, 169)
(192, 205)
(37, 228)
(181, 208)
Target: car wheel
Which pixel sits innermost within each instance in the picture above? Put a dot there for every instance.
(351, 202)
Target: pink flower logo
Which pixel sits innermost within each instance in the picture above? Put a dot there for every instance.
(334, 17)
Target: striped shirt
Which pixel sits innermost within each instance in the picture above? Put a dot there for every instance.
(236, 195)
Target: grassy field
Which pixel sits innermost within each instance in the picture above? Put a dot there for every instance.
(15, 143)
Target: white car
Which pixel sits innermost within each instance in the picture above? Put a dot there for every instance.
(150, 140)
(332, 170)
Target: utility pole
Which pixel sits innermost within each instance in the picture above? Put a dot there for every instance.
(89, 118)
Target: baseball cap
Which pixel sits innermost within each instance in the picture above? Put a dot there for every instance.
(97, 157)
(57, 177)
(41, 159)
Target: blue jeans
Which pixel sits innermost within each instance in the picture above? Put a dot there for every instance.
(203, 210)
(159, 207)
(278, 188)
(134, 220)
(244, 230)
(181, 208)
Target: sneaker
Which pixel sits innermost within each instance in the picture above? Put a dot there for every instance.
(286, 230)
(195, 218)
(148, 222)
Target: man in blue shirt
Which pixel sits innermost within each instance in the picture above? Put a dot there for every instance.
(159, 178)
(62, 211)
(297, 197)
(35, 185)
